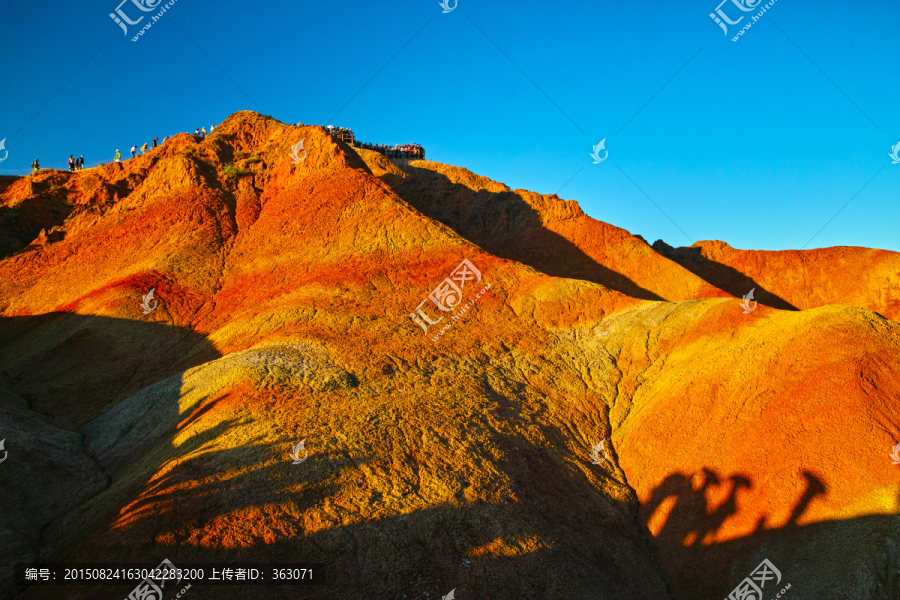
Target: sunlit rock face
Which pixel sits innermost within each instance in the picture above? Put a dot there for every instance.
(495, 393)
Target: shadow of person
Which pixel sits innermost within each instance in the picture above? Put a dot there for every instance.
(814, 487)
(715, 519)
(688, 519)
(694, 548)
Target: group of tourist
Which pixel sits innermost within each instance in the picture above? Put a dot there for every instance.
(75, 164)
(201, 131)
(143, 149)
(414, 151)
(340, 132)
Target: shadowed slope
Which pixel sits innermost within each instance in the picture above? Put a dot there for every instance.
(545, 232)
(45, 473)
(800, 279)
(314, 268)
(293, 287)
(775, 420)
(398, 489)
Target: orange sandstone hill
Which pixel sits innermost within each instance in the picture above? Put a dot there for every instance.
(544, 232)
(449, 451)
(798, 279)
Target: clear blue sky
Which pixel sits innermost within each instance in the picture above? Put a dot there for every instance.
(757, 142)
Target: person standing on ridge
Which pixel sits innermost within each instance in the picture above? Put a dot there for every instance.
(118, 155)
(203, 132)
(197, 132)
(155, 141)
(81, 163)
(144, 149)
(165, 139)
(134, 151)
(36, 166)
(72, 163)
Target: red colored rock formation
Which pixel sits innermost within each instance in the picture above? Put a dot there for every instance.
(799, 279)
(545, 232)
(281, 306)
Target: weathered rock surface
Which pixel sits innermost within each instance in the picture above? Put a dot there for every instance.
(798, 279)
(44, 474)
(545, 232)
(449, 460)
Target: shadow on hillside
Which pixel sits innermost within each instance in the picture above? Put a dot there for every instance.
(71, 367)
(556, 535)
(505, 225)
(813, 558)
(237, 504)
(722, 276)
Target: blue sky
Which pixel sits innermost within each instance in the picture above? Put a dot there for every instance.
(759, 143)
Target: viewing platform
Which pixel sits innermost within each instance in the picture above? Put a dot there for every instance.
(400, 154)
(345, 136)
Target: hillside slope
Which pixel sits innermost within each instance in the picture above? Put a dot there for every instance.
(799, 279)
(446, 455)
(284, 300)
(552, 235)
